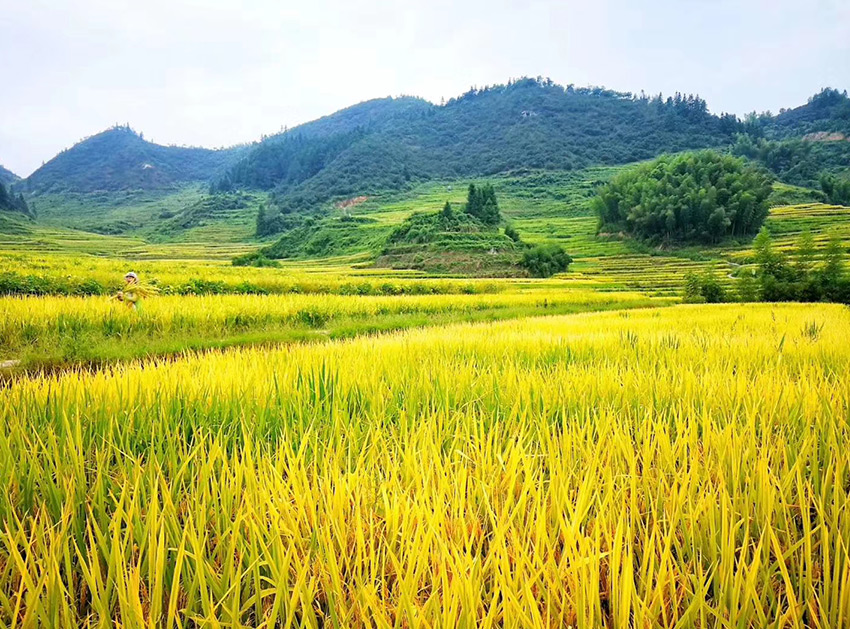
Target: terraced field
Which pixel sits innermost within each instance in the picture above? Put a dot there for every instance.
(542, 206)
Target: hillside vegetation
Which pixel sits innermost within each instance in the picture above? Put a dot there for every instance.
(530, 123)
(398, 144)
(12, 202)
(701, 197)
(825, 113)
(121, 159)
(7, 176)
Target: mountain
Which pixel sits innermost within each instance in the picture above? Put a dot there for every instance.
(121, 159)
(392, 144)
(527, 124)
(800, 145)
(7, 176)
(296, 155)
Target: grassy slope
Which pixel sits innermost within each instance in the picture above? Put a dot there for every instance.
(543, 206)
(156, 216)
(555, 207)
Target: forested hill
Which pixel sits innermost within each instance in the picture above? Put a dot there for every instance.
(525, 124)
(7, 176)
(386, 143)
(121, 159)
(826, 113)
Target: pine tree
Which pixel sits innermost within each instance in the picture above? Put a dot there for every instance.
(261, 221)
(473, 202)
(447, 212)
(489, 212)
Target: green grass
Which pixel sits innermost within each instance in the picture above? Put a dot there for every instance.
(184, 215)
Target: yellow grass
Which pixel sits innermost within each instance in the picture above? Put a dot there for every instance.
(682, 467)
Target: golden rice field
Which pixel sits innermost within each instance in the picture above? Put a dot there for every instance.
(675, 467)
(69, 329)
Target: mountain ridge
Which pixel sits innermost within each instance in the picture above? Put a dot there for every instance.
(390, 143)
(119, 158)
(7, 176)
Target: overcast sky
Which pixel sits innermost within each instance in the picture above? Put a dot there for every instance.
(219, 72)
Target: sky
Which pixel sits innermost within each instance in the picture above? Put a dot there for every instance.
(217, 72)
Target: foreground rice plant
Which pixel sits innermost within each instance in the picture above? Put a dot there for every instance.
(679, 467)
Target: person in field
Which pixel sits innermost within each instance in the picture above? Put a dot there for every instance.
(133, 291)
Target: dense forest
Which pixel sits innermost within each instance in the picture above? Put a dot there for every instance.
(703, 196)
(121, 159)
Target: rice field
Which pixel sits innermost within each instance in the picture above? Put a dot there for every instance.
(544, 207)
(674, 467)
(61, 330)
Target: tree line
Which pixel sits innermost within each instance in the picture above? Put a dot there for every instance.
(11, 202)
(800, 276)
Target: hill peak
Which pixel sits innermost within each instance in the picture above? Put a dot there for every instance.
(7, 176)
(120, 158)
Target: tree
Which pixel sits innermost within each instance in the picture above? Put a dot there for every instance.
(703, 289)
(832, 272)
(447, 212)
(836, 190)
(9, 202)
(482, 204)
(805, 253)
(262, 229)
(703, 196)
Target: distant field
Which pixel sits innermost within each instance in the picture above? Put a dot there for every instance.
(553, 207)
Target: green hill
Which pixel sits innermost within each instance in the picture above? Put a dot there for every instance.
(527, 124)
(118, 183)
(121, 159)
(7, 176)
(826, 114)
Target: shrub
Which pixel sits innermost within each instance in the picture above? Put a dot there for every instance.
(704, 288)
(836, 190)
(512, 233)
(255, 259)
(546, 260)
